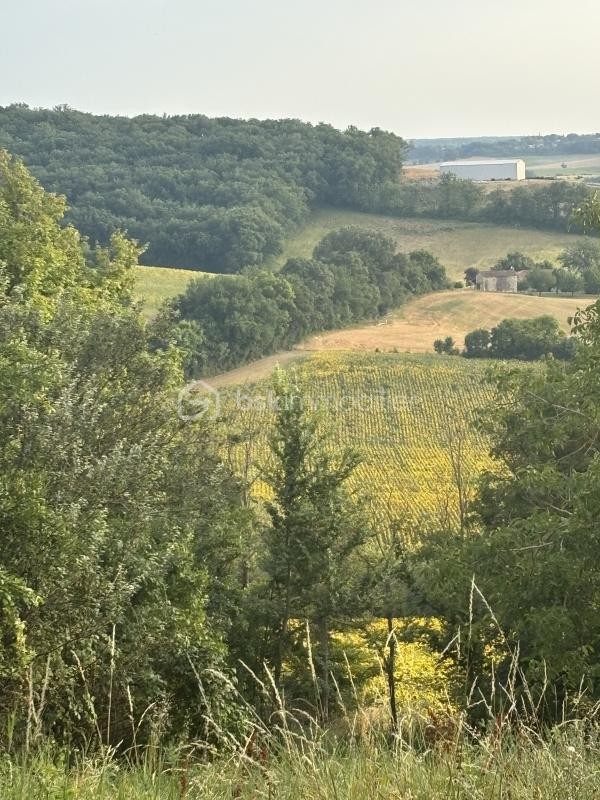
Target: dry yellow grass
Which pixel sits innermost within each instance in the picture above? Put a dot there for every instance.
(413, 328)
(454, 313)
(256, 371)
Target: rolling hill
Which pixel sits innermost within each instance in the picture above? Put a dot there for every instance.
(415, 326)
(457, 244)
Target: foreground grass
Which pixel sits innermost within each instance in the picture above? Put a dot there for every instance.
(566, 766)
(458, 245)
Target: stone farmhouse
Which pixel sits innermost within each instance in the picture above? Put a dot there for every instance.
(499, 280)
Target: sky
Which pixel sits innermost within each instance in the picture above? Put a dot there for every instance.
(420, 68)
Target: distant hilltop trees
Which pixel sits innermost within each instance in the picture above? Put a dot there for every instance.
(426, 150)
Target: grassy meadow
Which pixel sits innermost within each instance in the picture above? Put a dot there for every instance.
(457, 244)
(500, 766)
(154, 285)
(415, 326)
(585, 164)
(407, 415)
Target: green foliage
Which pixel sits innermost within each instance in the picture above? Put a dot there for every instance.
(211, 194)
(535, 560)
(584, 259)
(524, 339)
(516, 261)
(569, 281)
(315, 528)
(587, 215)
(477, 343)
(354, 275)
(446, 346)
(541, 280)
(471, 274)
(549, 206)
(116, 520)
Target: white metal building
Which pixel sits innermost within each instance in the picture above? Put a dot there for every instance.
(509, 169)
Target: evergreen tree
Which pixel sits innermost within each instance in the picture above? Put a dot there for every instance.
(315, 528)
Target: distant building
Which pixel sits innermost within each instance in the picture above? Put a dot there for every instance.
(512, 169)
(497, 280)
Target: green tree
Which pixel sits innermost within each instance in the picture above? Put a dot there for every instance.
(117, 519)
(446, 346)
(568, 281)
(535, 558)
(315, 528)
(478, 343)
(541, 280)
(584, 258)
(515, 260)
(471, 274)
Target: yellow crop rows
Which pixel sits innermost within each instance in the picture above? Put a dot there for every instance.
(410, 417)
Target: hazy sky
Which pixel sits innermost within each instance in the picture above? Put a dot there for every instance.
(421, 68)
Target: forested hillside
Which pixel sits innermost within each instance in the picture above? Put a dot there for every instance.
(210, 194)
(219, 195)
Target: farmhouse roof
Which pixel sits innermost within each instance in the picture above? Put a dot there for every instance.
(487, 162)
(497, 273)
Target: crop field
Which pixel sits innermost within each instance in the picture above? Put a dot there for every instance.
(585, 164)
(154, 285)
(458, 245)
(410, 417)
(544, 166)
(415, 326)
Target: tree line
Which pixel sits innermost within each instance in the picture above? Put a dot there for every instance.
(549, 205)
(522, 339)
(354, 275)
(222, 194)
(428, 150)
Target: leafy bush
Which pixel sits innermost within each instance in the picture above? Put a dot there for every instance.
(524, 339)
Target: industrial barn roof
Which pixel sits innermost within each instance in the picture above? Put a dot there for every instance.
(481, 163)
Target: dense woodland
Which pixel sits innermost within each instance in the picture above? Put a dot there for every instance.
(210, 194)
(221, 195)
